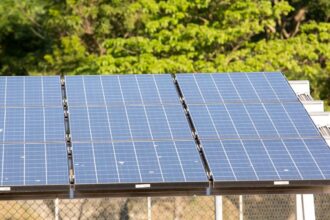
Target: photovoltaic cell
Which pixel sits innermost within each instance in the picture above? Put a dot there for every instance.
(252, 127)
(130, 129)
(32, 136)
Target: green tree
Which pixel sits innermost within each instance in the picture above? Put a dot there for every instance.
(173, 36)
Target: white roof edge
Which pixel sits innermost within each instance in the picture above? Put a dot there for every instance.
(303, 87)
(300, 86)
(312, 102)
(320, 113)
(298, 81)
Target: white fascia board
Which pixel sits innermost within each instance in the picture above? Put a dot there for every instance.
(300, 86)
(321, 118)
(328, 141)
(313, 106)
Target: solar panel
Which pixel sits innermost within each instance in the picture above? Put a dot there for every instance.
(235, 88)
(32, 135)
(121, 90)
(130, 129)
(252, 127)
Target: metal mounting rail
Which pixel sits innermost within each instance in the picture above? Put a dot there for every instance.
(68, 137)
(194, 132)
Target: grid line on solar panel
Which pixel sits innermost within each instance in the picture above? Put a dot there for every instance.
(2, 131)
(44, 129)
(24, 120)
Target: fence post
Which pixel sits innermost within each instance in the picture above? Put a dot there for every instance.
(57, 210)
(149, 208)
(218, 208)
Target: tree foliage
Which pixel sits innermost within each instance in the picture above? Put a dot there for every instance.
(149, 36)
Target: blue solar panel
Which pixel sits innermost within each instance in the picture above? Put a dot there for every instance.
(235, 87)
(33, 164)
(252, 127)
(128, 123)
(32, 135)
(252, 121)
(135, 162)
(130, 129)
(30, 91)
(123, 90)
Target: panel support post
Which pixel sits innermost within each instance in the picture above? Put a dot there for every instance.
(57, 209)
(218, 208)
(241, 212)
(149, 208)
(305, 208)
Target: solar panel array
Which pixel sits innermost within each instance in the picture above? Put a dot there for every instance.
(133, 129)
(32, 136)
(253, 128)
(130, 129)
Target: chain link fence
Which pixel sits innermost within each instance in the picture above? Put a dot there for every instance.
(250, 207)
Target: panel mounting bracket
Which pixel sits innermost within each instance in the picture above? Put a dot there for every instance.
(193, 129)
